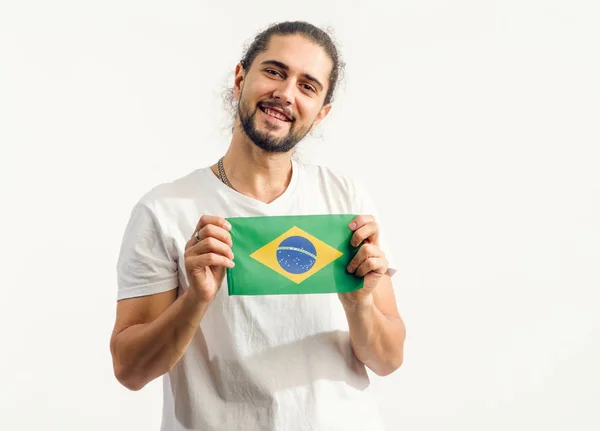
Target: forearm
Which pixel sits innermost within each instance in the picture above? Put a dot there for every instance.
(377, 340)
(144, 352)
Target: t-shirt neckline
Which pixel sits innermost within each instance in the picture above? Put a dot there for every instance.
(234, 194)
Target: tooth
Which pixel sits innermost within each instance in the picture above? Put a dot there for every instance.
(276, 114)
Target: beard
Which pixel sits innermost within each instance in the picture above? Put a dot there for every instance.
(265, 140)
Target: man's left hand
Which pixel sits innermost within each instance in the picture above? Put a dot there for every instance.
(369, 262)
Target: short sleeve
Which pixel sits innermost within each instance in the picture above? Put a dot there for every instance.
(365, 205)
(145, 266)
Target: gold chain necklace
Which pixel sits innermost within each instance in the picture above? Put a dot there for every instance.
(221, 173)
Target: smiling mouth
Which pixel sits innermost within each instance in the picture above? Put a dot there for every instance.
(275, 114)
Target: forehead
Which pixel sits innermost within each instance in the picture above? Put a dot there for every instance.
(302, 55)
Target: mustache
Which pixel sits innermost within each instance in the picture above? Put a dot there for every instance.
(278, 107)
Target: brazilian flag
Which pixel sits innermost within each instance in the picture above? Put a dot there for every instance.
(291, 255)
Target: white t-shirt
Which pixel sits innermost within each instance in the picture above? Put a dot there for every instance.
(277, 362)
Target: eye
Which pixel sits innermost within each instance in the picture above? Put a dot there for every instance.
(309, 88)
(273, 72)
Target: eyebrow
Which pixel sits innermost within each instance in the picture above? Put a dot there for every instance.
(286, 67)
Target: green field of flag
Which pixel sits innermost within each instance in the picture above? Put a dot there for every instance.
(291, 255)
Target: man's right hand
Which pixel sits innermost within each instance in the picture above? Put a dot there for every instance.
(206, 259)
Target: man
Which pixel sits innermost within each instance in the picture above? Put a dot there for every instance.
(275, 362)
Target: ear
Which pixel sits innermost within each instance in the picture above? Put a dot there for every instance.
(321, 115)
(238, 81)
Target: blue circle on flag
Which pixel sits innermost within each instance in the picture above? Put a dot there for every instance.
(296, 255)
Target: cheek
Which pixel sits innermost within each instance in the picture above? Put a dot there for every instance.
(260, 89)
(308, 112)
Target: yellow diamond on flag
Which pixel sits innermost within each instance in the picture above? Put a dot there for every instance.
(296, 255)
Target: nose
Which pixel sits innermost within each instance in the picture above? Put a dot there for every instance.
(285, 91)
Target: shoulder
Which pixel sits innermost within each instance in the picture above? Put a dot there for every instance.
(165, 204)
(338, 184)
(167, 193)
(336, 179)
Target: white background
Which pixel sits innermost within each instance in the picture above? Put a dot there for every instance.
(474, 123)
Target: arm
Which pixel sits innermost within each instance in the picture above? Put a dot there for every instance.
(377, 331)
(151, 334)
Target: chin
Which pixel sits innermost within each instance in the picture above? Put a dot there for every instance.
(274, 129)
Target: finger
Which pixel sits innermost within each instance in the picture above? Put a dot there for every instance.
(217, 232)
(369, 232)
(372, 264)
(207, 259)
(220, 230)
(210, 245)
(209, 219)
(366, 251)
(360, 221)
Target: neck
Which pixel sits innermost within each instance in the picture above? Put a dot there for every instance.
(255, 173)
